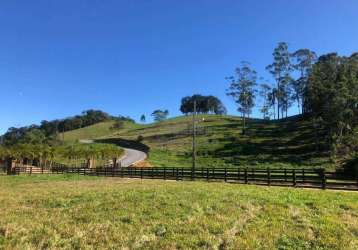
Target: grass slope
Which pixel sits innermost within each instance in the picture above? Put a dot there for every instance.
(286, 143)
(73, 212)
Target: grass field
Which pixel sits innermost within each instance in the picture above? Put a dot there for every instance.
(74, 212)
(287, 143)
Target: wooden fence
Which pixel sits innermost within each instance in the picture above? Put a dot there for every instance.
(271, 177)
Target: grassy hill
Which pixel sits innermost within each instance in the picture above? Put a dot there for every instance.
(285, 143)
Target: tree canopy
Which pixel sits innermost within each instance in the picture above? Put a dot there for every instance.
(332, 95)
(204, 105)
(48, 130)
(160, 115)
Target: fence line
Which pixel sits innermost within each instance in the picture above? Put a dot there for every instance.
(307, 178)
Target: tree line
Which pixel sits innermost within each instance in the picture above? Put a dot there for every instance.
(48, 130)
(45, 155)
(286, 90)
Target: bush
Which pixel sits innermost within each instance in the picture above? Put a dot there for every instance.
(118, 125)
(351, 166)
(140, 138)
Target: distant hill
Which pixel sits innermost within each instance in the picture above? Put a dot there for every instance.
(286, 143)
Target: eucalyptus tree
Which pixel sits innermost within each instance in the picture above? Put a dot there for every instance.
(303, 61)
(242, 90)
(281, 69)
(265, 92)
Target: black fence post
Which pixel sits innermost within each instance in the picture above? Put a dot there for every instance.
(30, 170)
(165, 173)
(207, 174)
(141, 173)
(268, 176)
(303, 175)
(225, 174)
(246, 179)
(177, 174)
(324, 179)
(294, 177)
(285, 175)
(238, 174)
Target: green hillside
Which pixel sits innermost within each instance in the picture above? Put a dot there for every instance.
(285, 143)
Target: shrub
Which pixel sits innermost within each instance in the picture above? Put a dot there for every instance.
(140, 138)
(351, 166)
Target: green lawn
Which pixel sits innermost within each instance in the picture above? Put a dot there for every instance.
(74, 212)
(287, 143)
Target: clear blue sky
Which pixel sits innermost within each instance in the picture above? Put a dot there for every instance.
(58, 58)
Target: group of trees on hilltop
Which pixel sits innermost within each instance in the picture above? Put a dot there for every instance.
(324, 88)
(48, 130)
(204, 105)
(276, 99)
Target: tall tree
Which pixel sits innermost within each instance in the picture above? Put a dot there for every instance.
(303, 63)
(242, 89)
(265, 92)
(142, 118)
(281, 69)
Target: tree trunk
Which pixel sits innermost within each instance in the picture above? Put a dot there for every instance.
(91, 163)
(278, 98)
(243, 124)
(10, 166)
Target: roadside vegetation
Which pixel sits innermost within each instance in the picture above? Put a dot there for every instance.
(78, 212)
(70, 154)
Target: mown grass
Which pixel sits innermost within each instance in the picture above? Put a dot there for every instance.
(286, 143)
(72, 212)
(95, 131)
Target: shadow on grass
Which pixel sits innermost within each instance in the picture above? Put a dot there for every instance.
(126, 144)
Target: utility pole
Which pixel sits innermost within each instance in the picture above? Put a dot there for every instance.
(194, 140)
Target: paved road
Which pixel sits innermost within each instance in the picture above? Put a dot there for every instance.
(131, 155)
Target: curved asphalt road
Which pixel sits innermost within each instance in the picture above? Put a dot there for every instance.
(131, 156)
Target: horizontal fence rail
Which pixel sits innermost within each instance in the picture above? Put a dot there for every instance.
(307, 178)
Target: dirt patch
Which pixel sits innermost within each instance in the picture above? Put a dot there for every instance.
(142, 164)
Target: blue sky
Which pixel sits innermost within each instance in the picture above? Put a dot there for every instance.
(58, 58)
